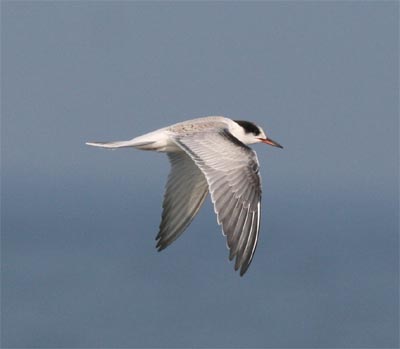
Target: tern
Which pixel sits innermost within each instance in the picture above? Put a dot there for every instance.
(209, 154)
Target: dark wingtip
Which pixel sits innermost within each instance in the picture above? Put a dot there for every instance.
(243, 269)
(160, 246)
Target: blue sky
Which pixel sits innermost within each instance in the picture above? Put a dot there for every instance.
(79, 267)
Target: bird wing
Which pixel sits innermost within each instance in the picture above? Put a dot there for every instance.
(232, 172)
(185, 192)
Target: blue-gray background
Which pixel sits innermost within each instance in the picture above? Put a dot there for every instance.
(79, 267)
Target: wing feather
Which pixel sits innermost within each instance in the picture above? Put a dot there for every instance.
(231, 170)
(185, 192)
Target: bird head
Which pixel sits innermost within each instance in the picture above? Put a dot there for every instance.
(249, 133)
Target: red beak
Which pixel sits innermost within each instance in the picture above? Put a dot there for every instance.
(270, 142)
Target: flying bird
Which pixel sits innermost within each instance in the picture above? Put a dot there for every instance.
(209, 154)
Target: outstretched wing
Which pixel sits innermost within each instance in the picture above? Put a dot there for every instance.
(232, 172)
(185, 192)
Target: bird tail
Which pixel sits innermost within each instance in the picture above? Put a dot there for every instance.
(149, 141)
(121, 144)
(117, 144)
